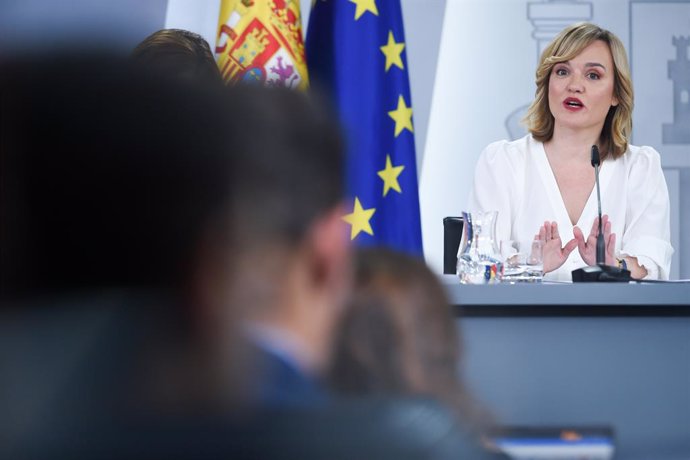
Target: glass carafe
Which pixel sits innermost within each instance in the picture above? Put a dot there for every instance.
(479, 261)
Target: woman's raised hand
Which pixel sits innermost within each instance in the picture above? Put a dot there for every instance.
(555, 254)
(588, 247)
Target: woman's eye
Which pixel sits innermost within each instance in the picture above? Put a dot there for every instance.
(593, 76)
(561, 72)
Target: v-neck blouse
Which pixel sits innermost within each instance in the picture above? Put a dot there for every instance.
(516, 179)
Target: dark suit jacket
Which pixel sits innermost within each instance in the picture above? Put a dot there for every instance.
(278, 382)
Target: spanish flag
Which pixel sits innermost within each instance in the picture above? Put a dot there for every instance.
(261, 41)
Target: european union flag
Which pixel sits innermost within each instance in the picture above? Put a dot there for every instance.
(356, 50)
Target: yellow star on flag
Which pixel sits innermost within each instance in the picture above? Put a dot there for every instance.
(363, 6)
(359, 220)
(390, 176)
(402, 116)
(392, 52)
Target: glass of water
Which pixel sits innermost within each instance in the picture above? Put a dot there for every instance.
(523, 261)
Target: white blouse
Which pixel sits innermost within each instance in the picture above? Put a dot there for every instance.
(515, 179)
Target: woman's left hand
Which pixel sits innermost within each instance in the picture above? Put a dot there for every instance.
(588, 247)
(555, 255)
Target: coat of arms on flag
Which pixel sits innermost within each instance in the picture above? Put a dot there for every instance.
(261, 41)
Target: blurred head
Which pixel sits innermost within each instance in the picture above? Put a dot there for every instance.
(116, 189)
(398, 335)
(178, 53)
(289, 164)
(291, 245)
(110, 178)
(583, 81)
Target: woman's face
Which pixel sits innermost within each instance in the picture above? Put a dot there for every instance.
(581, 90)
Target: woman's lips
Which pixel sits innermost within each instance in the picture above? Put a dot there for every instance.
(573, 104)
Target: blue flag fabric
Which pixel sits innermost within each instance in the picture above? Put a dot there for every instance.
(356, 52)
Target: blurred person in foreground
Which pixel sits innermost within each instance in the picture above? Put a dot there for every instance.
(222, 201)
(141, 218)
(291, 247)
(178, 53)
(114, 222)
(399, 337)
(140, 221)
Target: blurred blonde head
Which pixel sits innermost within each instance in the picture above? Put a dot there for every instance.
(399, 336)
(567, 45)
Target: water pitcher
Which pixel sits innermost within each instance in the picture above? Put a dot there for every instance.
(479, 261)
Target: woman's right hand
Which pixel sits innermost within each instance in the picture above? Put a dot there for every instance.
(555, 254)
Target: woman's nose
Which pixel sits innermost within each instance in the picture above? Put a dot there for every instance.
(575, 85)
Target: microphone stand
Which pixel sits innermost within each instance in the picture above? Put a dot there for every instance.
(600, 272)
(601, 245)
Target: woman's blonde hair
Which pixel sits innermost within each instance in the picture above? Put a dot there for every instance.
(568, 44)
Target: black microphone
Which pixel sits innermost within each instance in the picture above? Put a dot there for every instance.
(601, 245)
(601, 271)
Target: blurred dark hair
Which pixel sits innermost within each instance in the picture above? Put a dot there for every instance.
(108, 176)
(290, 166)
(399, 337)
(178, 53)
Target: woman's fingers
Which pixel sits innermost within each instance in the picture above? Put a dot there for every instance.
(581, 243)
(579, 236)
(611, 248)
(569, 247)
(607, 229)
(595, 228)
(554, 231)
(595, 225)
(585, 244)
(549, 233)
